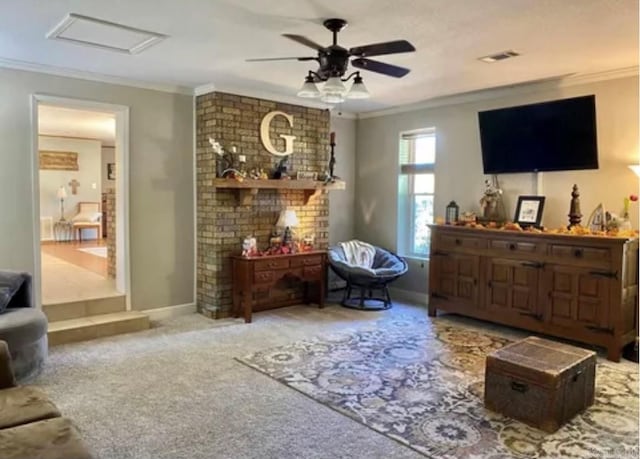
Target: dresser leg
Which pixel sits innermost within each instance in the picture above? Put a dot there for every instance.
(321, 293)
(432, 311)
(614, 353)
(236, 305)
(246, 307)
(307, 300)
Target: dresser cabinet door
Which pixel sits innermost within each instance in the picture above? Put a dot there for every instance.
(512, 289)
(578, 297)
(456, 277)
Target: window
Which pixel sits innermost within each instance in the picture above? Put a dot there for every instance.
(415, 194)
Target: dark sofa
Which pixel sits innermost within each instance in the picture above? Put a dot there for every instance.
(22, 325)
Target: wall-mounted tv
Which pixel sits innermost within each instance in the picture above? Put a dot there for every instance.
(549, 136)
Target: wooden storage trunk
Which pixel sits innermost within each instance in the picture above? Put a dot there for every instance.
(539, 382)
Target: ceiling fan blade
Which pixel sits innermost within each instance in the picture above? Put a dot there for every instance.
(263, 59)
(380, 67)
(378, 49)
(304, 41)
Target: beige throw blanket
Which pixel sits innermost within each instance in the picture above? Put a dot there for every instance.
(358, 253)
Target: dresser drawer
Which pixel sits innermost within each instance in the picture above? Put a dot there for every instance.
(462, 242)
(311, 260)
(312, 272)
(275, 263)
(575, 252)
(506, 245)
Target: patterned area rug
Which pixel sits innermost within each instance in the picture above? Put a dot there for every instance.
(421, 383)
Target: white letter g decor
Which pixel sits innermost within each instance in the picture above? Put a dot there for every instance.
(266, 139)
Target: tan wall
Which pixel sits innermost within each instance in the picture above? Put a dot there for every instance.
(222, 223)
(161, 176)
(459, 173)
(341, 216)
(88, 175)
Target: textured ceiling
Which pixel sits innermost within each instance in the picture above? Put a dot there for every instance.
(209, 41)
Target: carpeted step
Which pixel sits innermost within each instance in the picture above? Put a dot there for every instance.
(97, 326)
(84, 308)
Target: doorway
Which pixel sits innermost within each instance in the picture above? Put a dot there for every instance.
(81, 194)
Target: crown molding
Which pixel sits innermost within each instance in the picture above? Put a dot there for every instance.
(204, 89)
(559, 81)
(594, 77)
(92, 76)
(273, 96)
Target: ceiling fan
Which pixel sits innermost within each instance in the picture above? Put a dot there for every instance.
(333, 63)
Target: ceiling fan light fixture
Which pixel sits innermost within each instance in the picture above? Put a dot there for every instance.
(334, 85)
(334, 60)
(332, 98)
(309, 89)
(358, 89)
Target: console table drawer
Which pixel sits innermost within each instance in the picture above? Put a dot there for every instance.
(266, 265)
(513, 246)
(575, 252)
(261, 277)
(306, 261)
(463, 242)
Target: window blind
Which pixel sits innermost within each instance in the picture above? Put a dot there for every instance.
(407, 146)
(413, 135)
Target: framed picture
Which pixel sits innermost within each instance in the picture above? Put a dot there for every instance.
(301, 175)
(529, 210)
(111, 171)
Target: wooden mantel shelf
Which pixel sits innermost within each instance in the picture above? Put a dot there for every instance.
(248, 188)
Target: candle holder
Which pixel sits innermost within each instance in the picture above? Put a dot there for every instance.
(332, 160)
(575, 215)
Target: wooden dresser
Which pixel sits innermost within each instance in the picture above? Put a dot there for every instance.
(582, 288)
(260, 274)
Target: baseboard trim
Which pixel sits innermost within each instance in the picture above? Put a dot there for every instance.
(170, 311)
(409, 295)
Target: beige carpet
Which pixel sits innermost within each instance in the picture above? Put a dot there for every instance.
(176, 391)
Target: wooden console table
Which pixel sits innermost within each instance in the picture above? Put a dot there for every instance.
(253, 274)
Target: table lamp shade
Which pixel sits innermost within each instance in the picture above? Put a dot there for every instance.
(287, 219)
(61, 193)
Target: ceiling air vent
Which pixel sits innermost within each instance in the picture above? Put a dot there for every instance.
(87, 31)
(498, 56)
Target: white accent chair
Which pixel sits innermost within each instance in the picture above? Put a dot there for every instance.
(89, 216)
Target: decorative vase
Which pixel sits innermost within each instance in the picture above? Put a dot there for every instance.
(624, 224)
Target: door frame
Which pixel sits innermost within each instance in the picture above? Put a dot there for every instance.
(121, 113)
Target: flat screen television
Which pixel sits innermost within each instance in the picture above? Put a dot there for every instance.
(548, 136)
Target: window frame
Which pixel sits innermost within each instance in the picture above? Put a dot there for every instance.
(410, 170)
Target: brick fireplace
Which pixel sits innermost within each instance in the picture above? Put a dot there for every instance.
(222, 223)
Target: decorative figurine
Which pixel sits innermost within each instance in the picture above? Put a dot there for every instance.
(242, 161)
(491, 202)
(598, 219)
(468, 217)
(249, 247)
(225, 160)
(575, 216)
(281, 169)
